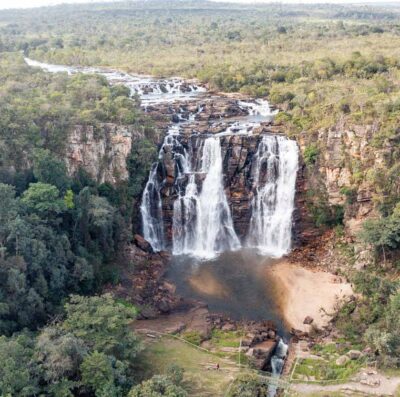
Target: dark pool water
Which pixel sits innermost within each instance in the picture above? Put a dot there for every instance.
(234, 284)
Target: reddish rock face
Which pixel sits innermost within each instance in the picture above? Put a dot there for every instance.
(237, 154)
(304, 231)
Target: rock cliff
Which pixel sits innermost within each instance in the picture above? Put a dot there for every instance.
(101, 151)
(344, 160)
(340, 173)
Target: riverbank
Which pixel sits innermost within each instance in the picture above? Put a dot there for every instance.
(302, 293)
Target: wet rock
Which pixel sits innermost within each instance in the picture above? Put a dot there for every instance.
(175, 118)
(271, 334)
(262, 353)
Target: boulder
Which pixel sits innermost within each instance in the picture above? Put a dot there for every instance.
(250, 352)
(142, 243)
(247, 341)
(342, 360)
(164, 306)
(308, 320)
(229, 327)
(354, 354)
(370, 382)
(271, 334)
(262, 353)
(147, 312)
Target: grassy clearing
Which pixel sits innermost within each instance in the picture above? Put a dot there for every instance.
(322, 370)
(325, 368)
(198, 380)
(225, 338)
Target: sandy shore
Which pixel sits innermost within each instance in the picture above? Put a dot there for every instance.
(302, 292)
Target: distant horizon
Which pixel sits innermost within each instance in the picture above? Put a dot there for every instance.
(24, 4)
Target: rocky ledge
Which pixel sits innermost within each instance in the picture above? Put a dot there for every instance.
(259, 341)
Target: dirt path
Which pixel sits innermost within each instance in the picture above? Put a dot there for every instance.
(387, 386)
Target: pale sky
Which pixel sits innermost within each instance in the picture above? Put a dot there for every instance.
(37, 3)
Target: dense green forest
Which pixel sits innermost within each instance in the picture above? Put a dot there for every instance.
(60, 235)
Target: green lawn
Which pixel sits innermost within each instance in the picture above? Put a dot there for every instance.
(198, 380)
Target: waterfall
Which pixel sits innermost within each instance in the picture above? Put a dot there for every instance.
(274, 177)
(151, 206)
(202, 222)
(277, 362)
(151, 211)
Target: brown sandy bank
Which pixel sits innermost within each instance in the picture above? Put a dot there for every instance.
(301, 292)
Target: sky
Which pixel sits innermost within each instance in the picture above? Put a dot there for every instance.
(37, 3)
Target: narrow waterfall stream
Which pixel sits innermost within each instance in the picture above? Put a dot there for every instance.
(220, 196)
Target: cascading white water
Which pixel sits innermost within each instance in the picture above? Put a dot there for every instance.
(150, 90)
(151, 206)
(277, 362)
(185, 223)
(151, 211)
(202, 224)
(274, 178)
(259, 107)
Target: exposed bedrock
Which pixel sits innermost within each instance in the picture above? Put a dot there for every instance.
(101, 151)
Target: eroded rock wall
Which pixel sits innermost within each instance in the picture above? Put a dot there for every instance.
(101, 151)
(345, 157)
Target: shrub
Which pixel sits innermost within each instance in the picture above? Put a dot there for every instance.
(192, 337)
(350, 193)
(311, 154)
(249, 386)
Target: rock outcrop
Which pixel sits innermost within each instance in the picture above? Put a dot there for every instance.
(101, 151)
(340, 177)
